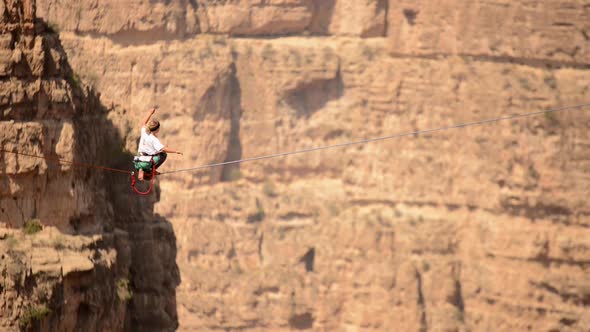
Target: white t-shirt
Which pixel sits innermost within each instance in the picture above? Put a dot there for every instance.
(149, 144)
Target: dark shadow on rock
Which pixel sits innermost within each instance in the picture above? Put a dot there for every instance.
(379, 29)
(308, 260)
(234, 150)
(322, 14)
(145, 242)
(222, 102)
(308, 98)
(410, 15)
(153, 274)
(150, 240)
(301, 322)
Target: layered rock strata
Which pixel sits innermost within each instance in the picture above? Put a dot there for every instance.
(480, 228)
(77, 251)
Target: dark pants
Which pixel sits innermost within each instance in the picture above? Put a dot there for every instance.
(159, 159)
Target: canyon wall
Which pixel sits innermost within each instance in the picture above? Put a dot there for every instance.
(479, 228)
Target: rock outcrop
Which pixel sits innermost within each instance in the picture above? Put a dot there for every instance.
(141, 21)
(475, 229)
(77, 252)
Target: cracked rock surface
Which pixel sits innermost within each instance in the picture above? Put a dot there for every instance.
(482, 228)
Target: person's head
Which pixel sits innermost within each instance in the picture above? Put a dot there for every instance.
(153, 126)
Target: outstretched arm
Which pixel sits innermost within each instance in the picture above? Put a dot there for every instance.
(148, 117)
(168, 150)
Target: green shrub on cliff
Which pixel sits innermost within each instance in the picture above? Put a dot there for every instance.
(124, 293)
(32, 226)
(32, 314)
(53, 27)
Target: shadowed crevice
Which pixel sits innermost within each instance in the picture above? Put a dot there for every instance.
(456, 298)
(421, 304)
(234, 149)
(323, 12)
(385, 6)
(410, 15)
(577, 297)
(516, 206)
(301, 322)
(308, 260)
(222, 102)
(380, 28)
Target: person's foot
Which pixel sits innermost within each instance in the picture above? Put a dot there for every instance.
(140, 175)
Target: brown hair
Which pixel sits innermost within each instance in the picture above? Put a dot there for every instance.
(153, 125)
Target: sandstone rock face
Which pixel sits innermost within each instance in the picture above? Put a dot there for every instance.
(39, 101)
(475, 229)
(123, 19)
(102, 261)
(549, 31)
(58, 282)
(141, 21)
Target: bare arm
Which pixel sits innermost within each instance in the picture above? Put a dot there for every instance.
(148, 117)
(168, 150)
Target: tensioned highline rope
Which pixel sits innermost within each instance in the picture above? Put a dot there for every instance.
(283, 154)
(63, 161)
(369, 140)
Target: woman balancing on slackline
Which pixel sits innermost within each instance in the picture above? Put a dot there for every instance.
(150, 147)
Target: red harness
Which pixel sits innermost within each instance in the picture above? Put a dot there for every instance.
(153, 177)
